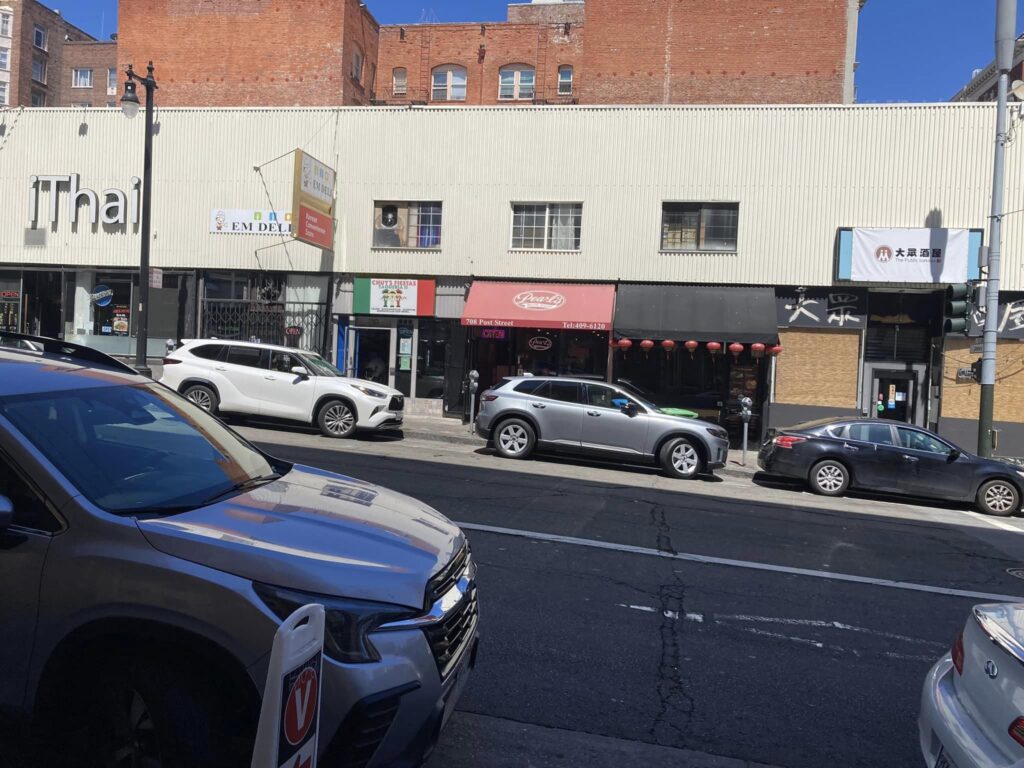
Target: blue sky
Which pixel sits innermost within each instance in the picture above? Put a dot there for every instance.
(909, 50)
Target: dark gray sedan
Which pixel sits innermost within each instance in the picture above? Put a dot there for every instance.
(582, 416)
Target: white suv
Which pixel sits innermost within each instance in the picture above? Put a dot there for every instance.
(281, 383)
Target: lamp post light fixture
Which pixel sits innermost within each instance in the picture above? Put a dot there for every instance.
(130, 108)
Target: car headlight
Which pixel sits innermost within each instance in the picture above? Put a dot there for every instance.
(348, 622)
(721, 434)
(370, 392)
(1020, 472)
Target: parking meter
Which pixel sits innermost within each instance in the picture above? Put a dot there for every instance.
(745, 414)
(474, 386)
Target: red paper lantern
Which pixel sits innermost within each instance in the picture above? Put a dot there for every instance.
(735, 349)
(757, 349)
(625, 344)
(613, 343)
(714, 348)
(668, 345)
(646, 345)
(692, 345)
(775, 350)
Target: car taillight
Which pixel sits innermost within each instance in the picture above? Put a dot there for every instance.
(1016, 730)
(788, 441)
(957, 653)
(170, 361)
(489, 398)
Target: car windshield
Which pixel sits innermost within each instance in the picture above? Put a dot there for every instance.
(639, 394)
(138, 449)
(319, 366)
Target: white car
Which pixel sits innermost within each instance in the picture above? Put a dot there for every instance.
(281, 383)
(972, 706)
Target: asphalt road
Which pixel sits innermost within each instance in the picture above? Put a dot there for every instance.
(633, 620)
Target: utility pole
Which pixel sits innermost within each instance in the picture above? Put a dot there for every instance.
(1006, 24)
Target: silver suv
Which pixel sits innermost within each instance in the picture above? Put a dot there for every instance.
(148, 554)
(588, 417)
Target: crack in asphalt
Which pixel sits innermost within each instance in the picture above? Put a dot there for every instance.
(676, 705)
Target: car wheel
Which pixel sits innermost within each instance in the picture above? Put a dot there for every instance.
(164, 715)
(998, 497)
(514, 439)
(202, 396)
(336, 419)
(680, 458)
(830, 478)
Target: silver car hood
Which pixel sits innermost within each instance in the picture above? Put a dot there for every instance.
(317, 532)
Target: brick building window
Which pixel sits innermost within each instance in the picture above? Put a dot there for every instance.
(3, 94)
(39, 38)
(39, 69)
(699, 226)
(82, 104)
(111, 81)
(38, 99)
(81, 78)
(399, 81)
(565, 80)
(357, 65)
(448, 83)
(546, 226)
(5, 24)
(406, 224)
(516, 81)
(5, 58)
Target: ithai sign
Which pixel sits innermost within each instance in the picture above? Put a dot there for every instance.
(111, 206)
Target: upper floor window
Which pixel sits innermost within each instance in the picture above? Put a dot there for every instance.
(5, 24)
(5, 58)
(38, 69)
(516, 81)
(39, 37)
(372, 83)
(3, 94)
(111, 81)
(699, 226)
(82, 104)
(546, 226)
(448, 83)
(406, 224)
(357, 65)
(399, 81)
(565, 80)
(38, 99)
(81, 78)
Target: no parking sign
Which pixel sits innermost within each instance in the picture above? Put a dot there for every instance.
(290, 717)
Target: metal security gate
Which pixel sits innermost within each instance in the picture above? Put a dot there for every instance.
(293, 324)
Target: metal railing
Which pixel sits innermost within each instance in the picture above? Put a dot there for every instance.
(297, 324)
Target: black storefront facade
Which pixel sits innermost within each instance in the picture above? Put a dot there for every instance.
(697, 348)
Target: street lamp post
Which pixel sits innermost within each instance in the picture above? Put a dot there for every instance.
(130, 107)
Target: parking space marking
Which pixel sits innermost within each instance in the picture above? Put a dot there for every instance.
(819, 624)
(994, 521)
(747, 564)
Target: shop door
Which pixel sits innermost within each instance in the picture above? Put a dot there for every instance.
(402, 364)
(371, 350)
(42, 303)
(894, 397)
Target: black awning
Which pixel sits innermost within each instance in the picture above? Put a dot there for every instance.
(700, 313)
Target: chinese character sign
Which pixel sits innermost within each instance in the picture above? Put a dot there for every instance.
(821, 308)
(1010, 319)
(910, 255)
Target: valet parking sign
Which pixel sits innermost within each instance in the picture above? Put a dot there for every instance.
(313, 202)
(910, 255)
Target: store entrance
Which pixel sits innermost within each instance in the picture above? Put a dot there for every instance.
(370, 352)
(894, 396)
(41, 303)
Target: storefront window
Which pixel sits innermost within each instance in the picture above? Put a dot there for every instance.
(434, 338)
(111, 299)
(10, 300)
(403, 357)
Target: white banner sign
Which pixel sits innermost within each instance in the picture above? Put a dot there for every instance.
(241, 221)
(393, 297)
(910, 255)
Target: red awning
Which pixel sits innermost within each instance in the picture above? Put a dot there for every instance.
(540, 305)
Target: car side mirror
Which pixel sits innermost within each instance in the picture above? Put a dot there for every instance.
(6, 513)
(630, 409)
(955, 454)
(298, 370)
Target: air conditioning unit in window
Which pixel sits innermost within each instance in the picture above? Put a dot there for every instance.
(390, 225)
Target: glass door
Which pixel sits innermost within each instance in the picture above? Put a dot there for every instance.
(371, 349)
(894, 398)
(403, 358)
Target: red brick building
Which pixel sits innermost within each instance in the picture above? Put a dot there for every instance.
(45, 61)
(329, 52)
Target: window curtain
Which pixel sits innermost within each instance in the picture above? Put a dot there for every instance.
(562, 229)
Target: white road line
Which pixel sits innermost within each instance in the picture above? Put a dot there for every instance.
(646, 608)
(994, 521)
(828, 625)
(709, 560)
(777, 636)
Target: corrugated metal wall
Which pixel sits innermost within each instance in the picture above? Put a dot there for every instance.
(798, 174)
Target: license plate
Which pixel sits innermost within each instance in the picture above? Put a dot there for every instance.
(943, 761)
(398, 418)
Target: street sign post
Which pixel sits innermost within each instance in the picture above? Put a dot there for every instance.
(290, 717)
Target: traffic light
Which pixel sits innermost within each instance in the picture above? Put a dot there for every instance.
(958, 308)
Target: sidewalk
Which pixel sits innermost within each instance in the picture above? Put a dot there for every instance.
(454, 431)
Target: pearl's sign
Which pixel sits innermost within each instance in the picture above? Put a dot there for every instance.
(111, 206)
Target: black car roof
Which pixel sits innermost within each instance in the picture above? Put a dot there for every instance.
(51, 365)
